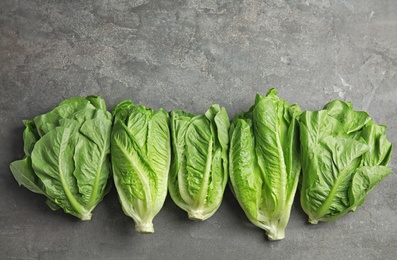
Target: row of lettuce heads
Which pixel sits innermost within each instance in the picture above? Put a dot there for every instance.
(336, 156)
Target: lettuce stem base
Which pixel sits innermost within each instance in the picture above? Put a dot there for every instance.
(196, 215)
(144, 227)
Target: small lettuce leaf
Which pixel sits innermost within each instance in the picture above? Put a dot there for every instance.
(141, 152)
(66, 155)
(364, 181)
(344, 156)
(30, 136)
(379, 147)
(25, 175)
(264, 162)
(199, 164)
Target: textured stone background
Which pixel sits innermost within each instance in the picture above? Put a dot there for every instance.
(189, 54)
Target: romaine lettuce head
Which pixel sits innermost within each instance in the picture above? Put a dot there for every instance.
(141, 153)
(264, 162)
(66, 155)
(344, 156)
(199, 167)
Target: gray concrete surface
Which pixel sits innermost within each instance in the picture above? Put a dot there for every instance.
(189, 54)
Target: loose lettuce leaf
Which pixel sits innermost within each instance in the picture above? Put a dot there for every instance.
(140, 159)
(25, 175)
(264, 162)
(30, 137)
(66, 155)
(344, 156)
(199, 163)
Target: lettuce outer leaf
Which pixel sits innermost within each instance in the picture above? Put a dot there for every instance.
(344, 156)
(141, 154)
(25, 175)
(264, 162)
(66, 155)
(199, 163)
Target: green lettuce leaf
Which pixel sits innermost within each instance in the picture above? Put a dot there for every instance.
(264, 162)
(25, 175)
(66, 155)
(199, 163)
(141, 152)
(344, 156)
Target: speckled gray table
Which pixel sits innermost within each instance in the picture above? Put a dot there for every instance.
(189, 54)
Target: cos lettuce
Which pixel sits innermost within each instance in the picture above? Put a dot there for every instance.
(66, 155)
(344, 156)
(264, 162)
(141, 152)
(199, 168)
